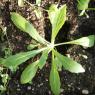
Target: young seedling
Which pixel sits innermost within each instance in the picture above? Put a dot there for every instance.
(83, 6)
(57, 18)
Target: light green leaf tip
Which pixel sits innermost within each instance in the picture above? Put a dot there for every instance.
(84, 41)
(69, 64)
(57, 17)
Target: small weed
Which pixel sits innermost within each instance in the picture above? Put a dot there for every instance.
(57, 18)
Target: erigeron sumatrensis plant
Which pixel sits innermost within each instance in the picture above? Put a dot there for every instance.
(57, 18)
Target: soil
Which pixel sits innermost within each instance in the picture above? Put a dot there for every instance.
(75, 27)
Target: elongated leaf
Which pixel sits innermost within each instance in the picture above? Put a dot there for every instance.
(84, 41)
(55, 80)
(57, 18)
(83, 4)
(29, 72)
(43, 58)
(69, 64)
(15, 60)
(21, 3)
(25, 26)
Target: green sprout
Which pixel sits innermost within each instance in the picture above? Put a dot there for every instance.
(83, 6)
(57, 18)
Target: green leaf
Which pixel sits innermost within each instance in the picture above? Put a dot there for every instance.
(83, 4)
(58, 63)
(69, 64)
(21, 3)
(84, 41)
(57, 18)
(43, 59)
(29, 72)
(25, 26)
(15, 60)
(55, 80)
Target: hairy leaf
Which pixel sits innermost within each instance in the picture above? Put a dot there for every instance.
(55, 80)
(69, 64)
(25, 26)
(57, 17)
(29, 72)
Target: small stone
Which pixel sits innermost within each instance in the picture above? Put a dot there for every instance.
(46, 79)
(18, 85)
(61, 90)
(29, 88)
(85, 92)
(68, 55)
(69, 85)
(49, 92)
(38, 85)
(18, 89)
(41, 84)
(85, 56)
(33, 89)
(78, 88)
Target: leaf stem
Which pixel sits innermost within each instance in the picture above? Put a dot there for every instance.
(62, 44)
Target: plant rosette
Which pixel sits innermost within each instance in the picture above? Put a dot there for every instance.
(57, 18)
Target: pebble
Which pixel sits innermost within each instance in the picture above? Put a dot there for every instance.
(18, 85)
(85, 92)
(18, 89)
(85, 56)
(68, 55)
(29, 88)
(61, 90)
(33, 89)
(41, 84)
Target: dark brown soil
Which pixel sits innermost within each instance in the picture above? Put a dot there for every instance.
(72, 84)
